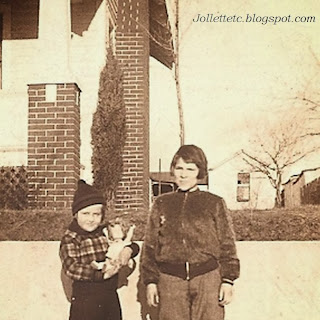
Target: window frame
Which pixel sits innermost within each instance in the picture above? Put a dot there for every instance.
(243, 187)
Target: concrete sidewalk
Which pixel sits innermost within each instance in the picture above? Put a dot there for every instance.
(279, 280)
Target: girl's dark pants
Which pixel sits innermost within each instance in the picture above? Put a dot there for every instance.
(95, 302)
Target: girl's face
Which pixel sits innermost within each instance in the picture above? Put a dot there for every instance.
(185, 174)
(89, 218)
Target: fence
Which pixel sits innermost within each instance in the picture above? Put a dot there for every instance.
(310, 193)
(13, 187)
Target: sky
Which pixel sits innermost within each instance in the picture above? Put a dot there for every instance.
(234, 75)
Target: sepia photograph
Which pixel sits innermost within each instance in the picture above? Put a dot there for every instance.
(159, 160)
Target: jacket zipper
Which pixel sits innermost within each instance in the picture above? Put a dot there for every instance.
(184, 240)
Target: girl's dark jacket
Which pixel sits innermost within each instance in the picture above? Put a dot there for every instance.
(189, 227)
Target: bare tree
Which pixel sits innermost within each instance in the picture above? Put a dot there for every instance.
(176, 46)
(177, 71)
(308, 99)
(279, 146)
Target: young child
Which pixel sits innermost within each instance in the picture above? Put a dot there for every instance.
(93, 297)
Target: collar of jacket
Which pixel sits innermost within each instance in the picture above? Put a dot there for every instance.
(192, 189)
(74, 227)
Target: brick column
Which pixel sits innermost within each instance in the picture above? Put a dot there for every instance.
(53, 144)
(132, 50)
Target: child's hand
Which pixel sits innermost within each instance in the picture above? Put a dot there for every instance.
(97, 265)
(152, 295)
(125, 256)
(225, 295)
(112, 266)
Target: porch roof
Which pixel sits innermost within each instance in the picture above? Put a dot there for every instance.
(161, 43)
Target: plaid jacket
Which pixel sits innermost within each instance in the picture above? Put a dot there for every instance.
(78, 248)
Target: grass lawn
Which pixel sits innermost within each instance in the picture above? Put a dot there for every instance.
(297, 224)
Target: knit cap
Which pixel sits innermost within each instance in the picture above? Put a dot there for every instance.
(86, 195)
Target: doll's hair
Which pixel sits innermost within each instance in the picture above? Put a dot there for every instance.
(125, 225)
(191, 154)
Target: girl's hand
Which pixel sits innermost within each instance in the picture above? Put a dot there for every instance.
(125, 256)
(152, 295)
(225, 295)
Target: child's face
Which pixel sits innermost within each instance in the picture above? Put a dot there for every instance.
(89, 217)
(185, 174)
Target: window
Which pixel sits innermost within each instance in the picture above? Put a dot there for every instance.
(158, 189)
(243, 187)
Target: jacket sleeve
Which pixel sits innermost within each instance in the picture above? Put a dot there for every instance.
(135, 249)
(229, 262)
(149, 268)
(69, 255)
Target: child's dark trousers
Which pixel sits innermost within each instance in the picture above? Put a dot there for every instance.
(95, 301)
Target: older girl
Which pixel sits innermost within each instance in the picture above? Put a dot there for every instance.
(189, 259)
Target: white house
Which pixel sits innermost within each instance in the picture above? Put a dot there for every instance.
(240, 186)
(51, 56)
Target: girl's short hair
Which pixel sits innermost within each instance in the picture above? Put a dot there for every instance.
(191, 154)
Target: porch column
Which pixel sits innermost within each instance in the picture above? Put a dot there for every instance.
(53, 144)
(132, 50)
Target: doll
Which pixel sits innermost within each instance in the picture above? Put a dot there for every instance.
(115, 238)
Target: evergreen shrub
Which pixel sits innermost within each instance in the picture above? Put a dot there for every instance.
(108, 131)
